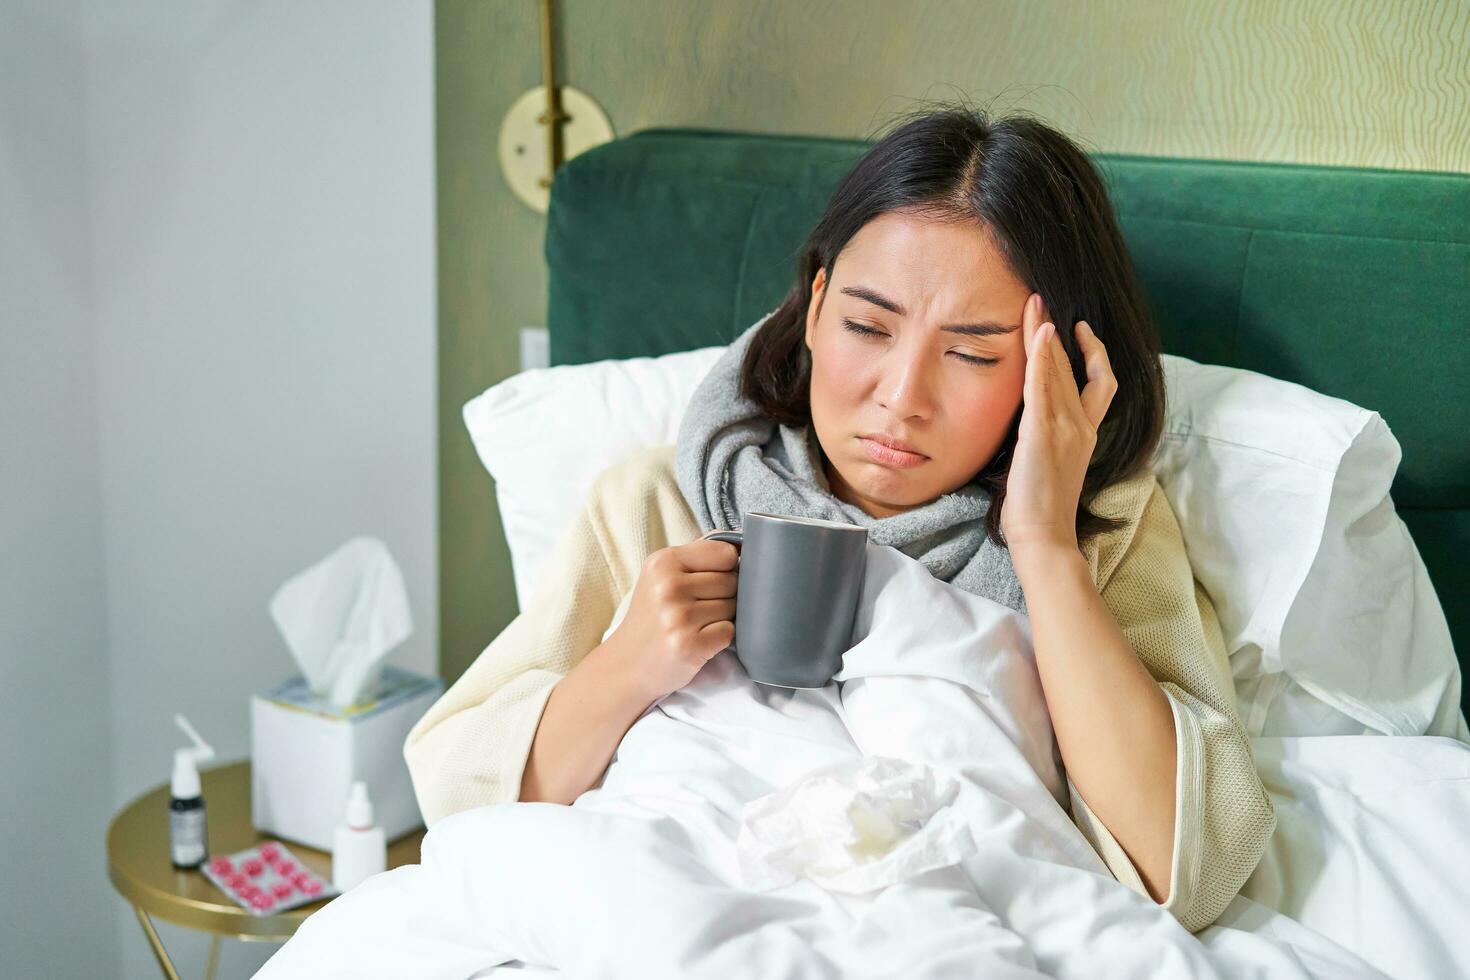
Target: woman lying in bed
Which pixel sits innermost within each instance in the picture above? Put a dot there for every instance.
(913, 382)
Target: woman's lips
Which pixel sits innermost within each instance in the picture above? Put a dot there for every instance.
(887, 456)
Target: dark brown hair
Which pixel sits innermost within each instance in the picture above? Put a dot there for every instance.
(1046, 206)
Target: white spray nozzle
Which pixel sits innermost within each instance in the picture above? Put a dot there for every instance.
(185, 783)
(202, 749)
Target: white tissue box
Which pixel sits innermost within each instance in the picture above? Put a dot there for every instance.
(305, 755)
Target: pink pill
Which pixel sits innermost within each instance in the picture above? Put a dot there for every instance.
(254, 867)
(283, 889)
(221, 865)
(300, 877)
(311, 887)
(269, 851)
(237, 881)
(283, 867)
(262, 901)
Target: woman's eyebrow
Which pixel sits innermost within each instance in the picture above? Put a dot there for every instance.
(985, 329)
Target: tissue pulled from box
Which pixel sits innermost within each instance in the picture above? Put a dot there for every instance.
(342, 616)
(854, 827)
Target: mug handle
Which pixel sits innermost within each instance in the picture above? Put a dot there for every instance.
(737, 538)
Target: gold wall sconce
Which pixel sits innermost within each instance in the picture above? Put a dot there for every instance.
(547, 126)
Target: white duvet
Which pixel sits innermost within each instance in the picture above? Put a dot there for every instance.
(1368, 875)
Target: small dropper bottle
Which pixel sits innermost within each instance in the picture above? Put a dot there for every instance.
(359, 850)
(188, 841)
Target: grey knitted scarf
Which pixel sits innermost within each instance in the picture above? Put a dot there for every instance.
(730, 459)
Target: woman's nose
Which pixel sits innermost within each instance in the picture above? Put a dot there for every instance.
(905, 389)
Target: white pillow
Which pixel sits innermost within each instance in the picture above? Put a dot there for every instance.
(546, 433)
(1281, 494)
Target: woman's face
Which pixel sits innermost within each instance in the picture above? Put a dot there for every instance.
(941, 372)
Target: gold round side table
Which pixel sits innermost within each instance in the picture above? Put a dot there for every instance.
(139, 866)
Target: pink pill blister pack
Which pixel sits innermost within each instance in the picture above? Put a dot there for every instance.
(267, 879)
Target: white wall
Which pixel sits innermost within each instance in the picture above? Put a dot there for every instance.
(254, 295)
(56, 909)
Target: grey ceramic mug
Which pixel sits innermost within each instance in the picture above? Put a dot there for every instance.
(796, 596)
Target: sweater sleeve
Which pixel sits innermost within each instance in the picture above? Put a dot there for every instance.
(470, 748)
(1223, 817)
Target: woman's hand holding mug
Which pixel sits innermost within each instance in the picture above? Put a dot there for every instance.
(681, 614)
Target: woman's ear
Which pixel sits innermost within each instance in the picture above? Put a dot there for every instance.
(819, 286)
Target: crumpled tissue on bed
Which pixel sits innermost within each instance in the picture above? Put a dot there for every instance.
(854, 827)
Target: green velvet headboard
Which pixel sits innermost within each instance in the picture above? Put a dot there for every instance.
(1355, 283)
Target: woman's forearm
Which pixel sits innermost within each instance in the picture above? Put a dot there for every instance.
(586, 716)
(1113, 722)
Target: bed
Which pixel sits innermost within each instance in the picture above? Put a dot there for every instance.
(1354, 283)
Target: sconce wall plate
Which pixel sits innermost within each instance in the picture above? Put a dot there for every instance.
(523, 139)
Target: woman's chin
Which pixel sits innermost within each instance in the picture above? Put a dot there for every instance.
(892, 490)
(875, 487)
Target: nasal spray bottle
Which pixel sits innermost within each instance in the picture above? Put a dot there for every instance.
(188, 843)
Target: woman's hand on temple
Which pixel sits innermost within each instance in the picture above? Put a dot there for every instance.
(681, 614)
(1057, 434)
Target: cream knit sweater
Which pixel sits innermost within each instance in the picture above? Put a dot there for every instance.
(471, 747)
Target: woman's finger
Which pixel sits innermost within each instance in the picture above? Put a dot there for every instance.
(1032, 315)
(1038, 371)
(1051, 361)
(1066, 385)
(708, 611)
(710, 585)
(1101, 385)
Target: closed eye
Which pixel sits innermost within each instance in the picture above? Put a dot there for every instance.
(859, 328)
